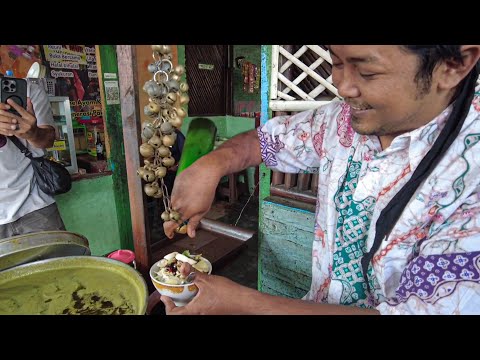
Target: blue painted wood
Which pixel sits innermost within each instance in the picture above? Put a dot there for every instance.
(287, 257)
(290, 280)
(264, 172)
(273, 291)
(275, 286)
(285, 233)
(285, 249)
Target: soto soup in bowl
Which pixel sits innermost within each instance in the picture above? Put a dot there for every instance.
(168, 280)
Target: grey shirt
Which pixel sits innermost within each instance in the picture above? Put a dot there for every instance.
(19, 193)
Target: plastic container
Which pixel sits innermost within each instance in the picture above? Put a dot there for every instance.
(125, 256)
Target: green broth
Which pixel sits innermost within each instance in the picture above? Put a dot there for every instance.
(88, 291)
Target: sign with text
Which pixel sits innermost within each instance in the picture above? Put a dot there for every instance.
(206, 66)
(75, 69)
(58, 145)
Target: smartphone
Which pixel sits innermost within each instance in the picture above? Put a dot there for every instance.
(15, 89)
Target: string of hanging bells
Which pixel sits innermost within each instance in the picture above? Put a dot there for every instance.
(167, 94)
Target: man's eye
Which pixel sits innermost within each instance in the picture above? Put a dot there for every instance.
(367, 76)
(337, 65)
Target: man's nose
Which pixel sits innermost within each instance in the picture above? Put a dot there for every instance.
(347, 88)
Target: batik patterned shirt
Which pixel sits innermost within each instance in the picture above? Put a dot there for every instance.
(430, 261)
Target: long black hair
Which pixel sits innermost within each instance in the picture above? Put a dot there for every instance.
(429, 56)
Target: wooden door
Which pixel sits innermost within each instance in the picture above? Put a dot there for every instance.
(208, 69)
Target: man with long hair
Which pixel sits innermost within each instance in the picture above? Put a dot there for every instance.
(397, 227)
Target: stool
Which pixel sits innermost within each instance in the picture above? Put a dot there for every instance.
(234, 188)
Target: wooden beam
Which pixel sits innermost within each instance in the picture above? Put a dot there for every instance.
(277, 177)
(127, 70)
(314, 184)
(284, 192)
(303, 181)
(290, 180)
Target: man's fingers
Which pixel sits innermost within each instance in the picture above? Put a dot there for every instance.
(30, 106)
(8, 123)
(7, 132)
(17, 107)
(20, 109)
(169, 304)
(169, 228)
(185, 269)
(200, 278)
(192, 225)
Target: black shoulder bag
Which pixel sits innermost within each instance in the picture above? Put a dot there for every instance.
(52, 177)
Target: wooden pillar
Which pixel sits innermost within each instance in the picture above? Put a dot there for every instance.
(127, 70)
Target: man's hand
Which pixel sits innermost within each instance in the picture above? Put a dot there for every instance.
(192, 195)
(25, 125)
(194, 189)
(216, 295)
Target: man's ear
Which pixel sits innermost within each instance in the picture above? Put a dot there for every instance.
(453, 72)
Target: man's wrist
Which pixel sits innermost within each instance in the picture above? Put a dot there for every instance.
(216, 165)
(32, 134)
(41, 137)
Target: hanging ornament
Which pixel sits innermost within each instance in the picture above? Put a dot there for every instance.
(167, 93)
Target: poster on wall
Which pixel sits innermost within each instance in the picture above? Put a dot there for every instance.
(18, 58)
(112, 92)
(74, 68)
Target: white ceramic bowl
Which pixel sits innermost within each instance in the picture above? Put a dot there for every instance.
(180, 294)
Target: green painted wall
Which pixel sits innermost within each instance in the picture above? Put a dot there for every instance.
(98, 208)
(244, 101)
(89, 209)
(227, 126)
(219, 122)
(237, 125)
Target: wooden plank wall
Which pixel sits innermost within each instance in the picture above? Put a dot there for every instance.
(285, 249)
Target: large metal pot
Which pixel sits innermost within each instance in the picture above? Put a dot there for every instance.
(22, 249)
(62, 282)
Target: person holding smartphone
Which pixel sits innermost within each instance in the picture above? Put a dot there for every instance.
(24, 207)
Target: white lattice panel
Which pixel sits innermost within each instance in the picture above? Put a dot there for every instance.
(287, 92)
(302, 79)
